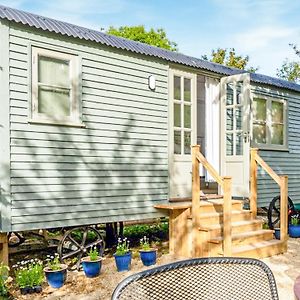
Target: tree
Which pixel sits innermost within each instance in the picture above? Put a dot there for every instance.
(230, 58)
(290, 70)
(152, 37)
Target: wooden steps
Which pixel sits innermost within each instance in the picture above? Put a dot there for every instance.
(260, 249)
(248, 237)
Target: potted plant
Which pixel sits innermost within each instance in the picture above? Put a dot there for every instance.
(123, 255)
(3, 281)
(56, 273)
(29, 276)
(92, 263)
(294, 227)
(147, 254)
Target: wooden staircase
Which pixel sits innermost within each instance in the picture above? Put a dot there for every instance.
(248, 237)
(218, 225)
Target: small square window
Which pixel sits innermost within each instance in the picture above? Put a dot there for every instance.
(55, 86)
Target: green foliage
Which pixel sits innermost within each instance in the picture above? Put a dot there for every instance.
(156, 231)
(144, 243)
(29, 273)
(230, 58)
(290, 70)
(77, 235)
(53, 262)
(295, 220)
(152, 37)
(265, 226)
(122, 247)
(3, 277)
(93, 254)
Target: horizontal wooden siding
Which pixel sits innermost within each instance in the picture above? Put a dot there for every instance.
(283, 162)
(114, 169)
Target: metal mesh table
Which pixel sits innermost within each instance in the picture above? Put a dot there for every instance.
(201, 279)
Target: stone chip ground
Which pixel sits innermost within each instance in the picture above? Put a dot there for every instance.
(286, 268)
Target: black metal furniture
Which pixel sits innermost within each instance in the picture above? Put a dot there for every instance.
(218, 278)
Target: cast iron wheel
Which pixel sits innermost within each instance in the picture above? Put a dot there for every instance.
(274, 211)
(15, 239)
(75, 244)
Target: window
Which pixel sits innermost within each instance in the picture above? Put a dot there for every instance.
(269, 123)
(54, 87)
(182, 114)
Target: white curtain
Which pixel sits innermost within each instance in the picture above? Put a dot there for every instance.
(212, 126)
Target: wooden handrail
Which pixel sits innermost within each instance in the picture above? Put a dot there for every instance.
(282, 181)
(225, 183)
(209, 168)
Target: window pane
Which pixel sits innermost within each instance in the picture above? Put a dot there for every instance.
(277, 135)
(239, 144)
(54, 103)
(277, 112)
(229, 118)
(238, 117)
(177, 90)
(187, 116)
(239, 95)
(187, 89)
(177, 115)
(229, 94)
(259, 133)
(187, 143)
(177, 142)
(259, 110)
(229, 144)
(53, 71)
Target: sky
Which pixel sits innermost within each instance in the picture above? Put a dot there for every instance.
(261, 29)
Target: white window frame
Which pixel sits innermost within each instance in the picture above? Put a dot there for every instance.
(268, 145)
(182, 74)
(75, 114)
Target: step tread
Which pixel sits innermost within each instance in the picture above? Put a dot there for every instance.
(253, 246)
(233, 212)
(233, 224)
(243, 235)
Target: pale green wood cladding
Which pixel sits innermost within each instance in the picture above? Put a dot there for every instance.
(283, 162)
(114, 169)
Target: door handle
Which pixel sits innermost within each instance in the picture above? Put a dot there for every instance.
(246, 136)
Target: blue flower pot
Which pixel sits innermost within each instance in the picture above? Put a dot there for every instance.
(123, 262)
(277, 233)
(148, 257)
(91, 268)
(294, 231)
(57, 278)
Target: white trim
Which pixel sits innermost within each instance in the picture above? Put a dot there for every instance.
(5, 172)
(75, 111)
(268, 145)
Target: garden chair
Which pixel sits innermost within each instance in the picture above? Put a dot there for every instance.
(220, 278)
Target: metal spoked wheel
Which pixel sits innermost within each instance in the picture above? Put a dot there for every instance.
(274, 211)
(75, 244)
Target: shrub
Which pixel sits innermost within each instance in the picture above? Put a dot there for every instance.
(3, 278)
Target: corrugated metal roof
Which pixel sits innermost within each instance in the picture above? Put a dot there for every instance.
(75, 31)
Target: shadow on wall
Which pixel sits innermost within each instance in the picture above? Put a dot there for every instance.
(64, 176)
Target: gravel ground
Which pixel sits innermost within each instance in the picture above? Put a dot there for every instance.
(285, 267)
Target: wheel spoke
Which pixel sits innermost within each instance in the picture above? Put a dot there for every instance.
(277, 209)
(84, 236)
(79, 260)
(70, 254)
(73, 241)
(93, 244)
(276, 221)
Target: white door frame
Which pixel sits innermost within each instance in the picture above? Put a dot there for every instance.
(175, 160)
(241, 190)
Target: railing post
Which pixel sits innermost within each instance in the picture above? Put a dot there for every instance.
(253, 182)
(227, 206)
(195, 200)
(283, 208)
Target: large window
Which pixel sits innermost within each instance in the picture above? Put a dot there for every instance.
(269, 123)
(182, 114)
(54, 86)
